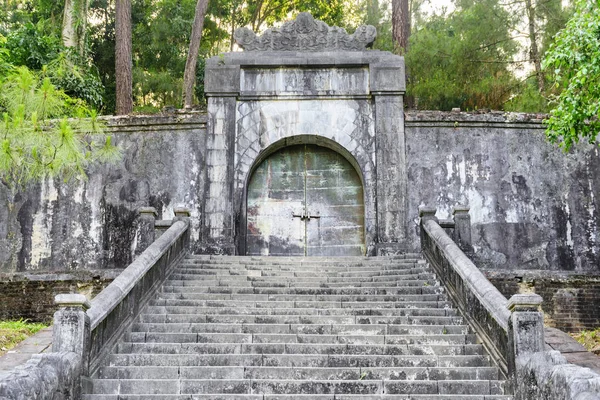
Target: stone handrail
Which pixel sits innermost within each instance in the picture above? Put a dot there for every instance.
(115, 307)
(93, 333)
(485, 308)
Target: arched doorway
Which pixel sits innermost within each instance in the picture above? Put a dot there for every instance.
(305, 200)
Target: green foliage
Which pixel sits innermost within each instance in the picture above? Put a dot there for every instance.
(13, 332)
(462, 60)
(528, 98)
(590, 339)
(66, 72)
(37, 139)
(574, 62)
(32, 46)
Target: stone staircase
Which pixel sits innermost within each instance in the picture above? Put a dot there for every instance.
(299, 328)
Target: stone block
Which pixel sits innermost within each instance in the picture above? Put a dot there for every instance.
(388, 77)
(222, 80)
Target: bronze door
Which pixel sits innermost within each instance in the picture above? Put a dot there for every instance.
(305, 200)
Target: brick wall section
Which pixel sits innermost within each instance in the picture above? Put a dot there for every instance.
(31, 296)
(571, 300)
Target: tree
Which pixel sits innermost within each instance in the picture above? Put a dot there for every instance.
(36, 138)
(574, 62)
(189, 75)
(123, 58)
(462, 59)
(400, 25)
(75, 24)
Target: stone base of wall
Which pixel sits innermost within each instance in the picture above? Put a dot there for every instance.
(31, 296)
(571, 299)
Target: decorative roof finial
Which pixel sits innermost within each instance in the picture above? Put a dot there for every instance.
(306, 34)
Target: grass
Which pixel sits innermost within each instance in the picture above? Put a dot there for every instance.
(14, 332)
(589, 339)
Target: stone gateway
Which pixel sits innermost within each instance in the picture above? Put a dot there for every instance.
(294, 92)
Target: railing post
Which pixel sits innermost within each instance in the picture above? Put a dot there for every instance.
(525, 327)
(146, 229)
(425, 213)
(462, 228)
(71, 331)
(182, 214)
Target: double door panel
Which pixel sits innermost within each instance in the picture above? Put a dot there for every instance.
(305, 200)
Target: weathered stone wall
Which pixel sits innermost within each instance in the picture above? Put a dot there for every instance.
(571, 299)
(91, 224)
(532, 205)
(31, 296)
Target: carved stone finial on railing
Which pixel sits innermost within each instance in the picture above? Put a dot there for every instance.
(306, 34)
(526, 323)
(426, 212)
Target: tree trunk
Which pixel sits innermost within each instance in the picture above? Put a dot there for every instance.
(400, 25)
(123, 74)
(189, 76)
(534, 52)
(75, 24)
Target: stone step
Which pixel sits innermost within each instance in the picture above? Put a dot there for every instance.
(314, 290)
(399, 268)
(314, 329)
(299, 328)
(285, 386)
(304, 284)
(437, 312)
(298, 348)
(232, 372)
(302, 273)
(292, 397)
(299, 319)
(154, 337)
(299, 360)
(296, 260)
(193, 276)
(378, 281)
(304, 297)
(175, 300)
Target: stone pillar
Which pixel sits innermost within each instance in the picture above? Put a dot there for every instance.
(462, 228)
(146, 229)
(71, 331)
(387, 87)
(222, 86)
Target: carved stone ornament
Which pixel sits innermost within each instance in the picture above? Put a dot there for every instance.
(306, 34)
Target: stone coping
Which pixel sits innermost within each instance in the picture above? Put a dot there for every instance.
(83, 275)
(572, 350)
(413, 116)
